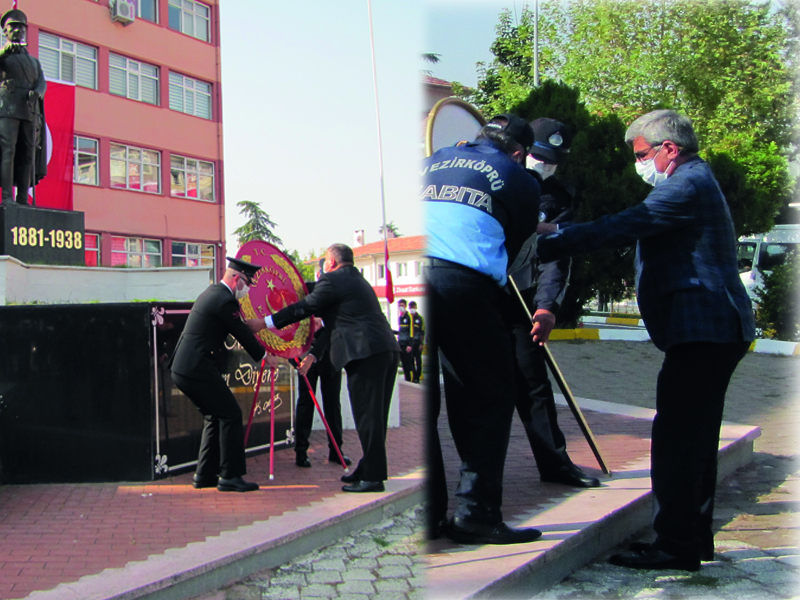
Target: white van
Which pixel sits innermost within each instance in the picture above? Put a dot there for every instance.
(761, 253)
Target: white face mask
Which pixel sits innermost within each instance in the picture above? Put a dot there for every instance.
(542, 168)
(648, 172)
(413, 311)
(401, 309)
(241, 293)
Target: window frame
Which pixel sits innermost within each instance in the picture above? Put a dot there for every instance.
(135, 69)
(128, 162)
(61, 51)
(203, 261)
(187, 91)
(179, 8)
(155, 11)
(77, 153)
(198, 174)
(136, 253)
(95, 249)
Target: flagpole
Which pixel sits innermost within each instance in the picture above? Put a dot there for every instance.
(389, 287)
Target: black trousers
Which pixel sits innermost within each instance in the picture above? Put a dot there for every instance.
(17, 139)
(407, 360)
(222, 442)
(690, 397)
(330, 382)
(477, 369)
(370, 382)
(535, 402)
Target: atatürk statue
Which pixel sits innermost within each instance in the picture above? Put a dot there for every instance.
(22, 87)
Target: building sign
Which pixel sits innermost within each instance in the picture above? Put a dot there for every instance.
(42, 236)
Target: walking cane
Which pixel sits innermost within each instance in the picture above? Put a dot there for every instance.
(562, 384)
(322, 416)
(271, 423)
(255, 398)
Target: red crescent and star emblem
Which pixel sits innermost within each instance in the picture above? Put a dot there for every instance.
(276, 285)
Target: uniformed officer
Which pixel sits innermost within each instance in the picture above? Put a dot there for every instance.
(481, 205)
(196, 368)
(416, 331)
(22, 87)
(543, 286)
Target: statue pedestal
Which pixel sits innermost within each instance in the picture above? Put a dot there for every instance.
(42, 236)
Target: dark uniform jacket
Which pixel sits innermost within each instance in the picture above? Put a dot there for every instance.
(543, 285)
(20, 73)
(200, 352)
(411, 329)
(355, 327)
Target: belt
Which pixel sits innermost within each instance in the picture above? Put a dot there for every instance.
(440, 262)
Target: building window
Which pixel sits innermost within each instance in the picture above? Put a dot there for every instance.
(402, 269)
(190, 17)
(186, 254)
(132, 79)
(91, 247)
(189, 96)
(191, 178)
(86, 170)
(135, 169)
(67, 61)
(381, 271)
(418, 264)
(135, 252)
(147, 10)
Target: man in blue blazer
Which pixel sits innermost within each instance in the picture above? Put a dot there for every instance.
(696, 310)
(361, 341)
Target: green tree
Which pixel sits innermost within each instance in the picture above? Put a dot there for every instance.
(258, 225)
(391, 230)
(728, 65)
(778, 313)
(600, 169)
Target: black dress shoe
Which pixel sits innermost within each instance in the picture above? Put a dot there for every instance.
(706, 554)
(364, 486)
(236, 484)
(301, 460)
(464, 532)
(350, 478)
(204, 481)
(334, 458)
(571, 475)
(653, 559)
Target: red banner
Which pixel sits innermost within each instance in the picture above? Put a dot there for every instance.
(55, 190)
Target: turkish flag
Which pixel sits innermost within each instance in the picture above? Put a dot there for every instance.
(55, 190)
(389, 285)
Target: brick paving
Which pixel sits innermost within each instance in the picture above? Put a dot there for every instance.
(52, 534)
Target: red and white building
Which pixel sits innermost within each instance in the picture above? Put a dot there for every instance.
(146, 144)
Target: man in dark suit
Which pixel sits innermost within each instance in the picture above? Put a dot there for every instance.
(360, 341)
(696, 311)
(196, 369)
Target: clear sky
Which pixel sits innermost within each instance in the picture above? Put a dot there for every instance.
(461, 32)
(299, 116)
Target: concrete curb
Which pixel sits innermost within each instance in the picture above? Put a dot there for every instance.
(576, 530)
(640, 335)
(221, 560)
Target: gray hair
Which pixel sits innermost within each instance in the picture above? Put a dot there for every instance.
(342, 253)
(661, 125)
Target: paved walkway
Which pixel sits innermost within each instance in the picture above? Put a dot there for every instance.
(107, 539)
(757, 514)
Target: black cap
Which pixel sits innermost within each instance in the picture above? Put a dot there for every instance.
(552, 140)
(516, 127)
(243, 267)
(14, 16)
